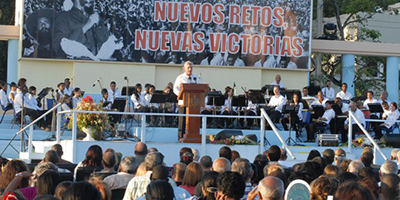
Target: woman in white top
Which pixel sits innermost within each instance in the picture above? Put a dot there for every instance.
(389, 118)
(77, 98)
(106, 100)
(65, 102)
(228, 109)
(297, 117)
(138, 98)
(13, 92)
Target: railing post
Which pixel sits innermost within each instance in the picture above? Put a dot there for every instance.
(58, 125)
(349, 134)
(143, 129)
(30, 145)
(262, 134)
(203, 135)
(74, 126)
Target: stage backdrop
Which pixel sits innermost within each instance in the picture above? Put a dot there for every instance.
(271, 34)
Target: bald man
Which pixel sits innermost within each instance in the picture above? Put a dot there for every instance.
(221, 165)
(140, 152)
(271, 188)
(278, 81)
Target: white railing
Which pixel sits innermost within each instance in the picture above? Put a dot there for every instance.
(30, 135)
(264, 116)
(361, 126)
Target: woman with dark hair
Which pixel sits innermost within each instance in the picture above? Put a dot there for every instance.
(228, 109)
(295, 117)
(389, 118)
(209, 185)
(138, 98)
(47, 183)
(94, 156)
(351, 190)
(106, 99)
(260, 161)
(9, 172)
(61, 188)
(81, 190)
(192, 177)
(159, 190)
(313, 153)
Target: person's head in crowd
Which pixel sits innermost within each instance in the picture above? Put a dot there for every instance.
(61, 86)
(209, 185)
(40, 169)
(389, 187)
(260, 161)
(281, 175)
(186, 158)
(365, 172)
(58, 149)
(67, 82)
(104, 93)
(367, 158)
(51, 156)
(152, 160)
(278, 79)
(185, 149)
(351, 190)
(94, 155)
(273, 153)
(305, 91)
(385, 105)
(225, 152)
(320, 161)
(297, 167)
(196, 154)
(129, 165)
(355, 166)
(314, 167)
(313, 153)
(109, 161)
(160, 172)
(344, 165)
(271, 188)
(230, 185)
(10, 169)
(138, 88)
(221, 165)
(113, 85)
(153, 149)
(277, 90)
(344, 87)
(322, 187)
(347, 176)
(235, 155)
(141, 171)
(271, 167)
(206, 162)
(370, 183)
(304, 175)
(283, 155)
(370, 95)
(367, 149)
(320, 96)
(388, 167)
(329, 156)
(81, 190)
(159, 190)
(140, 149)
(328, 83)
(193, 174)
(47, 183)
(102, 187)
(178, 172)
(188, 67)
(332, 171)
(61, 188)
(328, 105)
(243, 167)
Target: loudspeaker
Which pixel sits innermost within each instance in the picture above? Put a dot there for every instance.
(392, 140)
(227, 134)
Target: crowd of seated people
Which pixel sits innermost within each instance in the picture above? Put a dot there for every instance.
(143, 175)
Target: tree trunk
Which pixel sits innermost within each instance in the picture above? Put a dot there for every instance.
(338, 20)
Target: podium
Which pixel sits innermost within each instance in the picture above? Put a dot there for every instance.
(193, 96)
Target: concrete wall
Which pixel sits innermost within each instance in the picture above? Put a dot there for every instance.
(43, 73)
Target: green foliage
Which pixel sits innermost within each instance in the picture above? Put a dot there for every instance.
(7, 10)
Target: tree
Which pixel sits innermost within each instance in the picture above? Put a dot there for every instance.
(7, 10)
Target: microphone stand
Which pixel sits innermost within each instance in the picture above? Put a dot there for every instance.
(129, 108)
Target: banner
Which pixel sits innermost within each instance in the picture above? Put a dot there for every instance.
(270, 34)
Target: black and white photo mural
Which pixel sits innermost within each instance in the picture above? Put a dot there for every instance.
(270, 34)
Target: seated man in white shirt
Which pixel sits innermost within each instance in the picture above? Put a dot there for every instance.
(370, 99)
(329, 114)
(127, 170)
(384, 97)
(320, 101)
(4, 102)
(114, 92)
(278, 81)
(389, 120)
(276, 103)
(355, 128)
(328, 91)
(344, 95)
(306, 96)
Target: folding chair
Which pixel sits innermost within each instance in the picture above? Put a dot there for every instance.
(5, 109)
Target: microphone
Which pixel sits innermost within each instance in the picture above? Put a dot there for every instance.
(94, 84)
(190, 79)
(195, 80)
(126, 78)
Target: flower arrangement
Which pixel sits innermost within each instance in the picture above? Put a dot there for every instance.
(364, 142)
(96, 122)
(238, 140)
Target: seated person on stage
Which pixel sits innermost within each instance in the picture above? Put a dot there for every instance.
(276, 103)
(328, 91)
(307, 97)
(342, 109)
(65, 102)
(228, 109)
(106, 100)
(77, 98)
(114, 92)
(153, 107)
(384, 97)
(168, 107)
(344, 95)
(61, 91)
(34, 104)
(278, 81)
(320, 101)
(295, 117)
(5, 104)
(138, 99)
(355, 128)
(370, 99)
(13, 92)
(389, 123)
(67, 86)
(250, 110)
(329, 114)
(22, 102)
